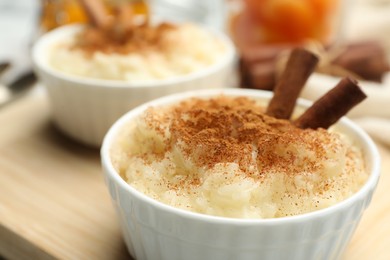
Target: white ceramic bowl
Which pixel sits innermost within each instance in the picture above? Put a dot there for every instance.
(153, 230)
(85, 108)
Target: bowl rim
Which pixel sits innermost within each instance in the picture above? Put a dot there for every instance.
(367, 143)
(46, 40)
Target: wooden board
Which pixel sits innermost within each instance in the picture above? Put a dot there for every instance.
(54, 203)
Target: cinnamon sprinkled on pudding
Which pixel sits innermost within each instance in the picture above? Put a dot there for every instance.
(223, 130)
(140, 38)
(224, 156)
(145, 53)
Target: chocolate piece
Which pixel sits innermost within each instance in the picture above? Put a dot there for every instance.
(365, 59)
(258, 68)
(332, 106)
(4, 66)
(300, 65)
(263, 53)
(259, 76)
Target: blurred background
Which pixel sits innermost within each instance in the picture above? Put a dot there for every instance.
(249, 22)
(260, 29)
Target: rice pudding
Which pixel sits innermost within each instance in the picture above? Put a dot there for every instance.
(223, 156)
(149, 53)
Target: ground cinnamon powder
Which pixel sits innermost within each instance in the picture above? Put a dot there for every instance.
(136, 39)
(224, 130)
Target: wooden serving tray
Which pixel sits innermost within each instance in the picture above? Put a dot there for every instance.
(54, 203)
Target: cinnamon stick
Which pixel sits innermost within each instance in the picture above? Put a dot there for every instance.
(96, 13)
(123, 22)
(300, 65)
(332, 106)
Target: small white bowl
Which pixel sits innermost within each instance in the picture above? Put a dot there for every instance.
(85, 108)
(153, 230)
